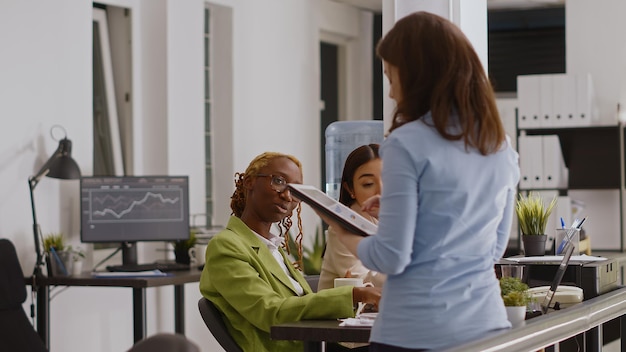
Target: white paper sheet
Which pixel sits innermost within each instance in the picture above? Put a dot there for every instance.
(555, 258)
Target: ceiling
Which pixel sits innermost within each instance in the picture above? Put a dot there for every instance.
(377, 5)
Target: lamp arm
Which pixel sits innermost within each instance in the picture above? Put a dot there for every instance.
(32, 183)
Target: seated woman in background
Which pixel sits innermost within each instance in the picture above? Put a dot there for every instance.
(360, 181)
(247, 274)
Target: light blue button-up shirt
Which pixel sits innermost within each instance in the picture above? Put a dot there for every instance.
(445, 219)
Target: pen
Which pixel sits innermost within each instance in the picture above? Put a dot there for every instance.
(568, 235)
(562, 223)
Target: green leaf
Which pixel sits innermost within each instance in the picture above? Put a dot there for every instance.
(54, 240)
(514, 292)
(311, 257)
(532, 214)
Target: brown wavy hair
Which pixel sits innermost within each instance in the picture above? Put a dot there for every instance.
(238, 199)
(440, 72)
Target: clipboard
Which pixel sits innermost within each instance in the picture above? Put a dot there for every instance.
(320, 201)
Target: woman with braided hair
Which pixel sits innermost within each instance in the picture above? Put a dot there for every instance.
(247, 274)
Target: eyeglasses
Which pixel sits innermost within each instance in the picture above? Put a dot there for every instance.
(278, 183)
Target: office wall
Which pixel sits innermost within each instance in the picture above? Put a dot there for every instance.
(595, 45)
(45, 79)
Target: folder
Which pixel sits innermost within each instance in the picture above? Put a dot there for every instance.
(563, 100)
(584, 100)
(528, 101)
(555, 173)
(545, 101)
(531, 162)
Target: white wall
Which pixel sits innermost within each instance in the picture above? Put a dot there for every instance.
(470, 17)
(595, 45)
(45, 79)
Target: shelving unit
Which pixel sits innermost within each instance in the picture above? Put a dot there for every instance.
(594, 156)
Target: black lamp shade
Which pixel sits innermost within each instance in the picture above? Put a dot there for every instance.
(65, 168)
(62, 165)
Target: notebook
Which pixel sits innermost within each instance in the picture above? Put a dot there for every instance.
(320, 201)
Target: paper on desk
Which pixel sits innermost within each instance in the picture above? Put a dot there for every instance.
(363, 319)
(149, 273)
(555, 258)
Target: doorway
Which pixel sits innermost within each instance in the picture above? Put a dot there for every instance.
(329, 97)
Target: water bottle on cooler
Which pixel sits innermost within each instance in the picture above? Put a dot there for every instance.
(342, 137)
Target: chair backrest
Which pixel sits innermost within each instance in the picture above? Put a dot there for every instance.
(165, 342)
(16, 332)
(213, 319)
(313, 281)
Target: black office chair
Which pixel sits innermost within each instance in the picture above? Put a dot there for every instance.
(16, 331)
(313, 281)
(213, 319)
(165, 342)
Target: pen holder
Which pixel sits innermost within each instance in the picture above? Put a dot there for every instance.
(559, 244)
(59, 263)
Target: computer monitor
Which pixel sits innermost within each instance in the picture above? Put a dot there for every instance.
(129, 209)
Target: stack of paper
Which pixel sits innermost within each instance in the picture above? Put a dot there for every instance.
(109, 274)
(363, 319)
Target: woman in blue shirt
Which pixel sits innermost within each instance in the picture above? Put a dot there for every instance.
(450, 177)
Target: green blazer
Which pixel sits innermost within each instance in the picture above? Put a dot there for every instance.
(242, 278)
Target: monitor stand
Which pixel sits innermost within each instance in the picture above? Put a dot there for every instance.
(129, 253)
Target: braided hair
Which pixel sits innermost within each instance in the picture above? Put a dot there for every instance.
(238, 200)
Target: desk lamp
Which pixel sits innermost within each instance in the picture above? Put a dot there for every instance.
(61, 166)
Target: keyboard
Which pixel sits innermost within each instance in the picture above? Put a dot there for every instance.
(163, 266)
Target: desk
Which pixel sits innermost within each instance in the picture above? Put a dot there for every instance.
(594, 277)
(314, 332)
(178, 279)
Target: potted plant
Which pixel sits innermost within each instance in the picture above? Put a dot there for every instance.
(77, 255)
(516, 298)
(182, 247)
(58, 258)
(311, 258)
(532, 215)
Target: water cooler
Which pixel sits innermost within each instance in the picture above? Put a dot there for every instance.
(342, 137)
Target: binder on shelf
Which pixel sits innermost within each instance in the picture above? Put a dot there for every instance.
(555, 174)
(528, 96)
(563, 100)
(585, 100)
(531, 162)
(545, 101)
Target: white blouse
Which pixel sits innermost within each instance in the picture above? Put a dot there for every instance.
(273, 244)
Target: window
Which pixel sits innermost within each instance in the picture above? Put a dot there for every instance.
(208, 113)
(524, 42)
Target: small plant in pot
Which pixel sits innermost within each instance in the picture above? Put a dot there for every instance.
(182, 247)
(533, 215)
(516, 298)
(77, 255)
